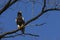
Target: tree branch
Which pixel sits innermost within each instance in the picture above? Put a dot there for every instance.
(7, 6)
(42, 12)
(7, 33)
(51, 9)
(22, 35)
(37, 24)
(33, 19)
(13, 2)
(3, 35)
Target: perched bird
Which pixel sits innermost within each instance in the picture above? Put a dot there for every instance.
(20, 22)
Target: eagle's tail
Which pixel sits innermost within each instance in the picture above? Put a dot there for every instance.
(23, 30)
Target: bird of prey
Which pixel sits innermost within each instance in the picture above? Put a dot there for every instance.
(20, 22)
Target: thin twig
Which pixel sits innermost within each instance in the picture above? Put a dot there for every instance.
(21, 34)
(33, 19)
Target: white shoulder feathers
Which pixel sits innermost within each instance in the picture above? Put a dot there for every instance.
(23, 18)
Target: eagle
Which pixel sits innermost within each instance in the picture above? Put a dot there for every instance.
(20, 22)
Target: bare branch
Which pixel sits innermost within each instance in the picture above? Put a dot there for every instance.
(33, 19)
(22, 35)
(7, 33)
(37, 24)
(38, 14)
(14, 31)
(7, 6)
(51, 9)
(27, 21)
(31, 34)
(44, 5)
(13, 2)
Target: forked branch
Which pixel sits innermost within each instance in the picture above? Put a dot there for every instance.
(21, 35)
(33, 19)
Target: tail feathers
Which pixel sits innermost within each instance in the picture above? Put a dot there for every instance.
(23, 31)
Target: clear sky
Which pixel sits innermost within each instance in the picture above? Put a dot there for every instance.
(48, 31)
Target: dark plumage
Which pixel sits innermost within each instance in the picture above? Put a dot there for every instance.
(20, 22)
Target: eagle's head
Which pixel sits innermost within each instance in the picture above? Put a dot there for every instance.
(19, 13)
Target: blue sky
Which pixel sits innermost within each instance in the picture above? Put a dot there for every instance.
(48, 31)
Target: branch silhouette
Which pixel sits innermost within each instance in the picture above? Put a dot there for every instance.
(31, 20)
(22, 35)
(36, 24)
(7, 5)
